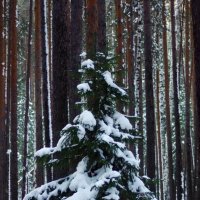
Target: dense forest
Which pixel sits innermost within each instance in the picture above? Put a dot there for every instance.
(99, 99)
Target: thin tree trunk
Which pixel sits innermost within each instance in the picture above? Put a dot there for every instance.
(150, 112)
(187, 109)
(167, 108)
(3, 133)
(196, 35)
(26, 117)
(176, 107)
(119, 36)
(13, 97)
(130, 62)
(45, 92)
(140, 145)
(38, 98)
(159, 142)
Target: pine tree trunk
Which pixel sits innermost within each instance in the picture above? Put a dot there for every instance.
(101, 33)
(12, 48)
(130, 62)
(91, 32)
(150, 112)
(159, 142)
(38, 98)
(167, 108)
(178, 169)
(187, 108)
(26, 116)
(76, 47)
(119, 37)
(60, 66)
(3, 133)
(196, 35)
(45, 92)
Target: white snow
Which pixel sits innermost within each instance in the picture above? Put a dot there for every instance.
(109, 81)
(87, 120)
(89, 64)
(44, 151)
(137, 186)
(122, 121)
(84, 87)
(113, 194)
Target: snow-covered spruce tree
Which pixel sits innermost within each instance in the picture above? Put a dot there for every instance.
(98, 137)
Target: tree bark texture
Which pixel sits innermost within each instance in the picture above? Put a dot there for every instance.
(150, 112)
(38, 98)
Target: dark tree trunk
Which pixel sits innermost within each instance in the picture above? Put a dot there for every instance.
(119, 37)
(101, 34)
(76, 47)
(176, 107)
(3, 133)
(187, 108)
(12, 48)
(60, 66)
(150, 113)
(38, 106)
(91, 31)
(196, 35)
(26, 117)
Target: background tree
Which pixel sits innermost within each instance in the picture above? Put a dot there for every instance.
(12, 48)
(196, 34)
(38, 98)
(3, 133)
(150, 112)
(176, 107)
(59, 81)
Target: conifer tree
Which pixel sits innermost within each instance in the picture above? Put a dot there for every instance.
(97, 138)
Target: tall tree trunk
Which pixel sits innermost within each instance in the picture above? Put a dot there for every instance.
(187, 108)
(45, 92)
(91, 32)
(3, 133)
(101, 33)
(76, 47)
(26, 117)
(196, 35)
(167, 108)
(176, 107)
(12, 48)
(159, 142)
(140, 126)
(130, 61)
(60, 76)
(150, 112)
(38, 97)
(119, 36)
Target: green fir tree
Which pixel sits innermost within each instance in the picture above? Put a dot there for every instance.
(98, 139)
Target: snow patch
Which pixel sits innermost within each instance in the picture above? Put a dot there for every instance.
(89, 64)
(109, 81)
(84, 87)
(87, 120)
